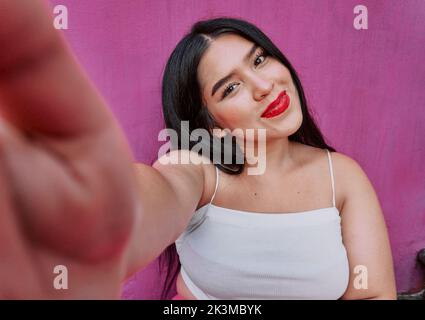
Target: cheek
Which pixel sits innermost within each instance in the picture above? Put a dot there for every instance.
(236, 113)
(297, 114)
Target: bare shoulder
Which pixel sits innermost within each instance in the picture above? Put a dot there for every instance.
(348, 168)
(190, 164)
(341, 163)
(349, 176)
(344, 163)
(352, 178)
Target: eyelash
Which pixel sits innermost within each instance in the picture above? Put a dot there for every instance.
(227, 89)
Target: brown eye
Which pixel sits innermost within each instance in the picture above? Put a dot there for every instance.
(227, 90)
(263, 55)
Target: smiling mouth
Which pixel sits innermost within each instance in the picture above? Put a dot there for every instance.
(277, 107)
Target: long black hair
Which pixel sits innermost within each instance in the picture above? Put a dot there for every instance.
(182, 98)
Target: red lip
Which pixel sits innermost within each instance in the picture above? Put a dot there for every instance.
(277, 106)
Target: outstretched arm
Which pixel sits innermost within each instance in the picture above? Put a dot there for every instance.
(365, 236)
(69, 192)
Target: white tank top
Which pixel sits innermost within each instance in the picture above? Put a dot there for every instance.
(233, 254)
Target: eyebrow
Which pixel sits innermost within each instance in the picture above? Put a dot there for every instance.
(222, 81)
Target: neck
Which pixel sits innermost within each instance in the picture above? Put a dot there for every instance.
(269, 157)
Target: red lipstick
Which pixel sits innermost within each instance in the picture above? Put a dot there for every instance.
(277, 106)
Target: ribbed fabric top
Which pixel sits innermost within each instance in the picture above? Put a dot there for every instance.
(234, 254)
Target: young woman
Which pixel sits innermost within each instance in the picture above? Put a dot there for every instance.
(69, 195)
(300, 230)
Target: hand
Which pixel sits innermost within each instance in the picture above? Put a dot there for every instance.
(68, 194)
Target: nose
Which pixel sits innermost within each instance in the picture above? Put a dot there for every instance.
(261, 87)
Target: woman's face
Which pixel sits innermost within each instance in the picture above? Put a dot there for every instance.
(256, 81)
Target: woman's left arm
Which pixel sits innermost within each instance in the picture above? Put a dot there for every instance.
(365, 236)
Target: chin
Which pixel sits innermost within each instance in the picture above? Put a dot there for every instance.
(287, 126)
(295, 125)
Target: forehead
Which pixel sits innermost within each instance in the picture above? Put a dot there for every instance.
(222, 56)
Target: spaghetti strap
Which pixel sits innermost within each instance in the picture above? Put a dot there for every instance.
(216, 184)
(332, 177)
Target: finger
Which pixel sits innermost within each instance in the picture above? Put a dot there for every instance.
(18, 278)
(42, 87)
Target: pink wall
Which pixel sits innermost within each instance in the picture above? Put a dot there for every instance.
(365, 87)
